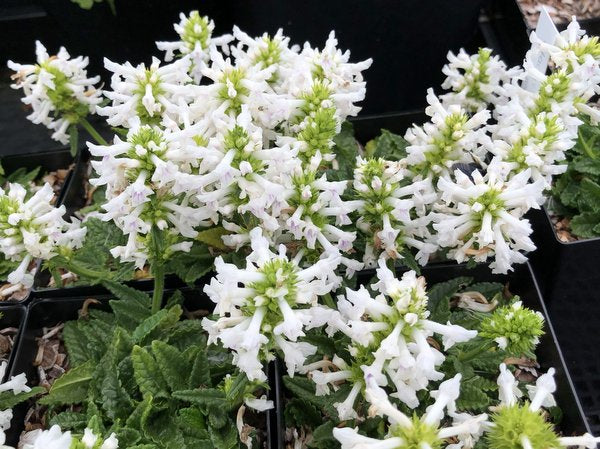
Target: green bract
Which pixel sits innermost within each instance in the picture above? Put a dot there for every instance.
(417, 436)
(512, 423)
(196, 30)
(515, 328)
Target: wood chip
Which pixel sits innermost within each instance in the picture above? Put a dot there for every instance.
(561, 11)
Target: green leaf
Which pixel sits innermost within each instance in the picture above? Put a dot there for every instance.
(202, 397)
(472, 395)
(390, 146)
(299, 412)
(75, 342)
(125, 293)
(159, 424)
(225, 437)
(323, 437)
(590, 194)
(192, 265)
(212, 237)
(200, 373)
(586, 165)
(9, 400)
(115, 400)
(75, 421)
(172, 365)
(135, 418)
(152, 325)
(22, 176)
(71, 387)
(192, 422)
(128, 437)
(147, 373)
(583, 225)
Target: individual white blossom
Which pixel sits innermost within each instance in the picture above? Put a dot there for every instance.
(58, 90)
(268, 305)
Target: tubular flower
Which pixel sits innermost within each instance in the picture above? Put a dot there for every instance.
(516, 425)
(389, 339)
(414, 432)
(33, 228)
(475, 81)
(452, 136)
(276, 302)
(55, 438)
(142, 176)
(145, 94)
(387, 204)
(483, 216)
(58, 90)
(196, 40)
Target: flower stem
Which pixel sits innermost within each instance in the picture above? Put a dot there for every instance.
(92, 132)
(85, 272)
(158, 271)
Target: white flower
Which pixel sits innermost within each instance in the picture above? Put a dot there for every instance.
(452, 136)
(54, 438)
(196, 40)
(475, 80)
(260, 404)
(146, 178)
(403, 428)
(388, 206)
(146, 93)
(33, 228)
(273, 305)
(58, 90)
(482, 216)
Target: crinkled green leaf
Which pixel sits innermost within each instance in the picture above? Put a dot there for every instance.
(147, 373)
(172, 365)
(71, 387)
(8, 399)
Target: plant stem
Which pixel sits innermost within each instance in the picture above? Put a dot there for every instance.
(92, 131)
(85, 272)
(158, 270)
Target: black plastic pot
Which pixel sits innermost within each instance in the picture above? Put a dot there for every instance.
(12, 316)
(45, 312)
(48, 161)
(570, 275)
(505, 28)
(522, 282)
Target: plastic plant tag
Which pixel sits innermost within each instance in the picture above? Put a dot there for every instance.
(547, 32)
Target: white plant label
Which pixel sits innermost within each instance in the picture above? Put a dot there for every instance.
(547, 32)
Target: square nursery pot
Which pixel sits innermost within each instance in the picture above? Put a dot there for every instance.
(12, 321)
(522, 283)
(48, 162)
(47, 312)
(571, 276)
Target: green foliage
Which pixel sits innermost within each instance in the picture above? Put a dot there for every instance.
(95, 257)
(345, 150)
(388, 146)
(141, 376)
(191, 266)
(576, 193)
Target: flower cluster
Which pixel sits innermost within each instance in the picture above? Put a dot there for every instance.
(266, 307)
(54, 438)
(58, 90)
(248, 147)
(389, 340)
(32, 228)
